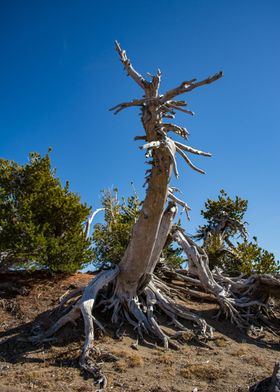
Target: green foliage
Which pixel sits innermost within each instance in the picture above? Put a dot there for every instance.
(252, 258)
(41, 221)
(224, 215)
(172, 256)
(224, 222)
(111, 238)
(216, 250)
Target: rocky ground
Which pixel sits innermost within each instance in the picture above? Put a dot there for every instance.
(232, 361)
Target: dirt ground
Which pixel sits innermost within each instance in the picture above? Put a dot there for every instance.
(232, 361)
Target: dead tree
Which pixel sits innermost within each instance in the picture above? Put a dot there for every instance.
(131, 291)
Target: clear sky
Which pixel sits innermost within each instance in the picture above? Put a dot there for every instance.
(59, 74)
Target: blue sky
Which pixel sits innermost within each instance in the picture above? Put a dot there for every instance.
(59, 75)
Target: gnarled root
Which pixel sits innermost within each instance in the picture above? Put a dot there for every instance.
(242, 301)
(85, 306)
(138, 311)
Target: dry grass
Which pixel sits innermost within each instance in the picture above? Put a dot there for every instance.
(10, 389)
(203, 371)
(255, 361)
(232, 366)
(221, 341)
(84, 388)
(120, 366)
(241, 352)
(166, 358)
(131, 358)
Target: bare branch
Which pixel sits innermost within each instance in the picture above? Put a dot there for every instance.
(124, 105)
(155, 144)
(174, 189)
(167, 115)
(178, 103)
(170, 105)
(156, 81)
(140, 137)
(171, 148)
(192, 150)
(166, 109)
(185, 206)
(138, 78)
(89, 221)
(189, 162)
(134, 102)
(190, 85)
(181, 131)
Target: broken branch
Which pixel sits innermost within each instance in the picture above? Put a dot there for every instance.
(192, 150)
(137, 77)
(188, 161)
(190, 85)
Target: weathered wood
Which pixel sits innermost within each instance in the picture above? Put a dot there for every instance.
(137, 77)
(89, 221)
(192, 150)
(139, 251)
(189, 85)
(188, 161)
(130, 291)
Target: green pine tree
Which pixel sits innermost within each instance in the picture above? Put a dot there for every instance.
(224, 227)
(41, 221)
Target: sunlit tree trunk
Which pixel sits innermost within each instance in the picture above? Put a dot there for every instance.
(131, 291)
(139, 259)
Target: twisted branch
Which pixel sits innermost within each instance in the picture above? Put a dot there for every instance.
(192, 150)
(189, 86)
(181, 131)
(188, 161)
(182, 203)
(136, 76)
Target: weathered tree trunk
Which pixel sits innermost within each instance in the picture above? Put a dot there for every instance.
(130, 291)
(137, 261)
(140, 259)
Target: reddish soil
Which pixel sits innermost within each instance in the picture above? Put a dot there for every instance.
(233, 361)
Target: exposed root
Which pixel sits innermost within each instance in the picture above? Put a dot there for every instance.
(85, 306)
(69, 295)
(175, 310)
(138, 311)
(71, 316)
(242, 301)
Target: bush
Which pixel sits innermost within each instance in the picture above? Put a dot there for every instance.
(224, 215)
(111, 238)
(41, 222)
(251, 258)
(224, 225)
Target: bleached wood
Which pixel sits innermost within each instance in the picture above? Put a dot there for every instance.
(188, 161)
(164, 230)
(170, 105)
(90, 219)
(182, 203)
(155, 144)
(181, 131)
(189, 85)
(130, 291)
(192, 150)
(121, 106)
(136, 76)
